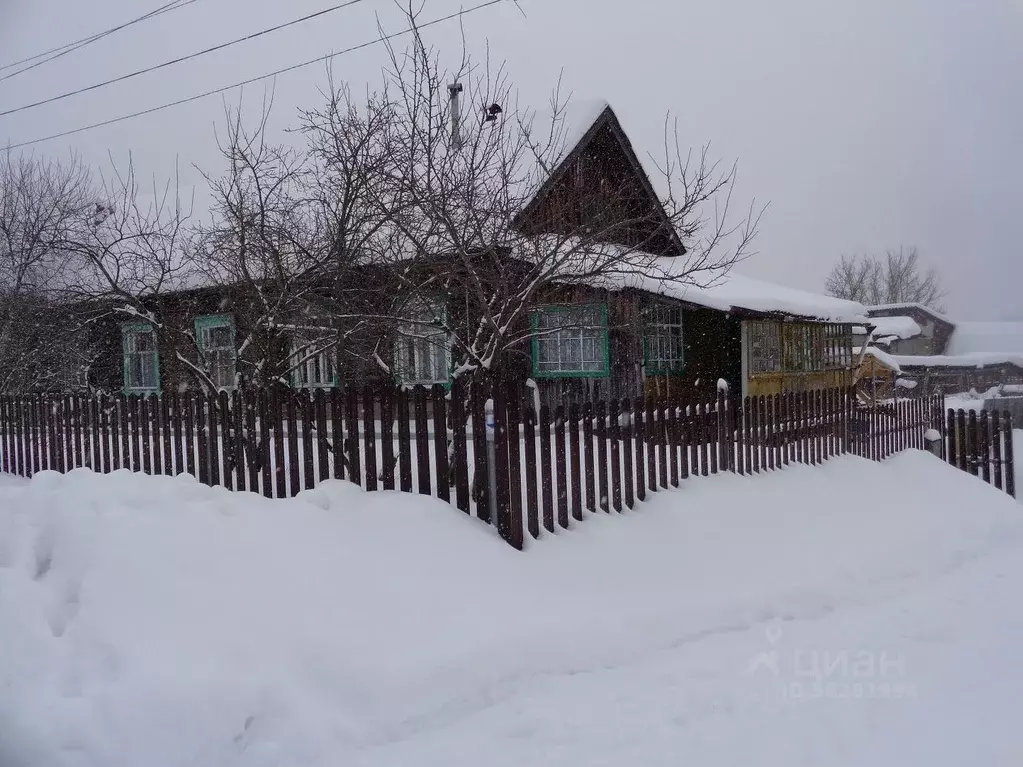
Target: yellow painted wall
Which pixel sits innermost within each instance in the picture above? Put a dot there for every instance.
(765, 384)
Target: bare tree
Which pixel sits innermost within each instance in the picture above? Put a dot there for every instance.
(458, 187)
(896, 278)
(41, 202)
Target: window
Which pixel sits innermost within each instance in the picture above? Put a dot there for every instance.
(570, 341)
(141, 359)
(765, 347)
(838, 340)
(215, 336)
(313, 367)
(422, 349)
(663, 350)
(798, 348)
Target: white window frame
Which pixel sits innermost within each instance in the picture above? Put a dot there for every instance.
(559, 331)
(304, 364)
(664, 330)
(422, 345)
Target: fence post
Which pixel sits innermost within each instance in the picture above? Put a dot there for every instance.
(985, 445)
(440, 443)
(513, 399)
(546, 468)
(503, 491)
(1010, 469)
(561, 465)
(532, 489)
(996, 446)
(369, 439)
(628, 475)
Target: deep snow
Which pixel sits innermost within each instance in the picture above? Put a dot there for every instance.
(156, 621)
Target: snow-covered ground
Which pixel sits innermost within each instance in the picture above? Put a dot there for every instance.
(848, 614)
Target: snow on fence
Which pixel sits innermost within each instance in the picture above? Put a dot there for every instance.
(489, 452)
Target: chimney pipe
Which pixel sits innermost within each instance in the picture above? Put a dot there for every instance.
(455, 99)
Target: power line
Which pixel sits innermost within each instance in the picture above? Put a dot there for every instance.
(63, 50)
(181, 59)
(226, 88)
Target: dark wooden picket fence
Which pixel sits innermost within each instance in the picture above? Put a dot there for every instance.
(488, 451)
(981, 444)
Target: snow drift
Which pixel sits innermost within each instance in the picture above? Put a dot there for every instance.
(152, 620)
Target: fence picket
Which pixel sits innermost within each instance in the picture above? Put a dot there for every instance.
(237, 411)
(323, 438)
(650, 428)
(369, 439)
(996, 446)
(615, 465)
(304, 405)
(253, 453)
(984, 444)
(561, 465)
(687, 443)
(352, 433)
(674, 438)
(337, 433)
(638, 441)
(387, 457)
(404, 443)
(713, 420)
(440, 444)
(422, 441)
(501, 476)
(458, 429)
(481, 478)
(756, 425)
(167, 465)
(1010, 467)
(273, 440)
(293, 463)
(590, 461)
(532, 489)
(603, 499)
(513, 418)
(213, 417)
(628, 467)
(547, 468)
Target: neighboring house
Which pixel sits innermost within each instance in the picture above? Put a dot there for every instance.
(939, 354)
(617, 338)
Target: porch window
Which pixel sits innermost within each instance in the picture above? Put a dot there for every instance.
(215, 336)
(141, 359)
(312, 367)
(571, 341)
(663, 349)
(422, 349)
(765, 347)
(838, 354)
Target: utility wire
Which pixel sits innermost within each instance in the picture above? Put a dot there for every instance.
(181, 59)
(63, 50)
(267, 76)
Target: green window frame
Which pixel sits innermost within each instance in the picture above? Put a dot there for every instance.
(664, 351)
(571, 341)
(140, 358)
(422, 344)
(215, 337)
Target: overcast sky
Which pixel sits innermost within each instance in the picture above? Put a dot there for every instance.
(866, 123)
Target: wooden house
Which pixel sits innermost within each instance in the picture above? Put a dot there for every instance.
(664, 340)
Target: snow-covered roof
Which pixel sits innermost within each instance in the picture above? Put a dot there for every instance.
(909, 305)
(551, 134)
(881, 356)
(897, 326)
(667, 276)
(977, 337)
(973, 360)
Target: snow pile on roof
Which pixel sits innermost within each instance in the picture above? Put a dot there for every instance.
(976, 337)
(897, 327)
(910, 305)
(881, 356)
(152, 621)
(613, 267)
(977, 360)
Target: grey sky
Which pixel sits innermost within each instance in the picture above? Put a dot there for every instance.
(866, 123)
